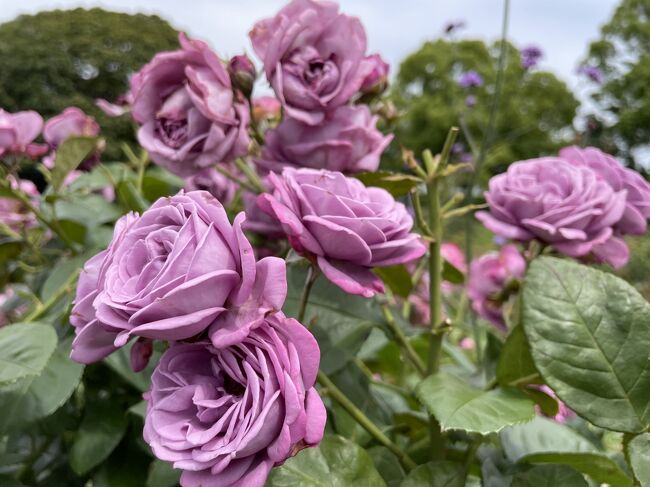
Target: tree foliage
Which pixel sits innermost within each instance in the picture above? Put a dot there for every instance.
(536, 109)
(623, 55)
(63, 58)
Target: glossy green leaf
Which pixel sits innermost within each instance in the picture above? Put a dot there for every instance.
(515, 365)
(639, 453)
(542, 435)
(452, 274)
(397, 184)
(459, 406)
(340, 322)
(387, 465)
(100, 432)
(589, 333)
(397, 278)
(69, 155)
(549, 476)
(599, 467)
(25, 349)
(74, 230)
(436, 474)
(162, 474)
(336, 462)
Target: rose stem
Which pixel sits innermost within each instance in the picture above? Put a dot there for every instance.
(335, 393)
(435, 275)
(251, 175)
(41, 309)
(403, 342)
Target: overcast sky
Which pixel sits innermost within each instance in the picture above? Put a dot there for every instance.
(562, 28)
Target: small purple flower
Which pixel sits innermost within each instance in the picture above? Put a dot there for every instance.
(489, 275)
(593, 73)
(551, 200)
(227, 413)
(346, 228)
(470, 79)
(13, 212)
(530, 56)
(72, 122)
(470, 101)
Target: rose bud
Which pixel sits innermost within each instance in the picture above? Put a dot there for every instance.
(17, 133)
(242, 74)
(377, 80)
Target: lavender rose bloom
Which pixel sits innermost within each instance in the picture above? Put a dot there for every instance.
(314, 57)
(169, 274)
(13, 213)
(568, 207)
(213, 182)
(71, 122)
(348, 142)
(489, 275)
(190, 118)
(344, 226)
(637, 207)
(18, 131)
(226, 414)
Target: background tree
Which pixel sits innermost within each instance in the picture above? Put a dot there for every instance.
(622, 56)
(536, 109)
(52, 60)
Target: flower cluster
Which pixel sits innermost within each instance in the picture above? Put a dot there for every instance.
(581, 203)
(233, 394)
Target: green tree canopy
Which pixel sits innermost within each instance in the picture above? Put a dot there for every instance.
(56, 59)
(536, 109)
(622, 53)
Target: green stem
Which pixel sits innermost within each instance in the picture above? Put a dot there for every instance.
(403, 342)
(41, 309)
(358, 415)
(232, 177)
(312, 275)
(251, 175)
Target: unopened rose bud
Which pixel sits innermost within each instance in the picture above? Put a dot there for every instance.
(242, 73)
(376, 81)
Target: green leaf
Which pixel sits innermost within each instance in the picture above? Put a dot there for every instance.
(387, 465)
(549, 476)
(342, 322)
(120, 362)
(36, 397)
(542, 435)
(397, 278)
(25, 349)
(74, 230)
(548, 405)
(9, 481)
(9, 249)
(639, 453)
(589, 333)
(451, 273)
(162, 474)
(69, 155)
(599, 467)
(139, 409)
(336, 462)
(515, 365)
(130, 198)
(458, 406)
(100, 432)
(158, 182)
(436, 474)
(397, 184)
(60, 273)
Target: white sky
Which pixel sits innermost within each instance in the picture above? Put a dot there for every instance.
(562, 28)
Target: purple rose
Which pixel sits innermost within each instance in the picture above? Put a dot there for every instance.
(242, 73)
(213, 182)
(345, 227)
(377, 79)
(69, 123)
(313, 56)
(190, 118)
(489, 277)
(568, 207)
(169, 275)
(226, 414)
(348, 142)
(259, 221)
(470, 79)
(13, 213)
(637, 207)
(17, 133)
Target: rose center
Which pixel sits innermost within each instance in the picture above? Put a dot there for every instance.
(173, 132)
(233, 387)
